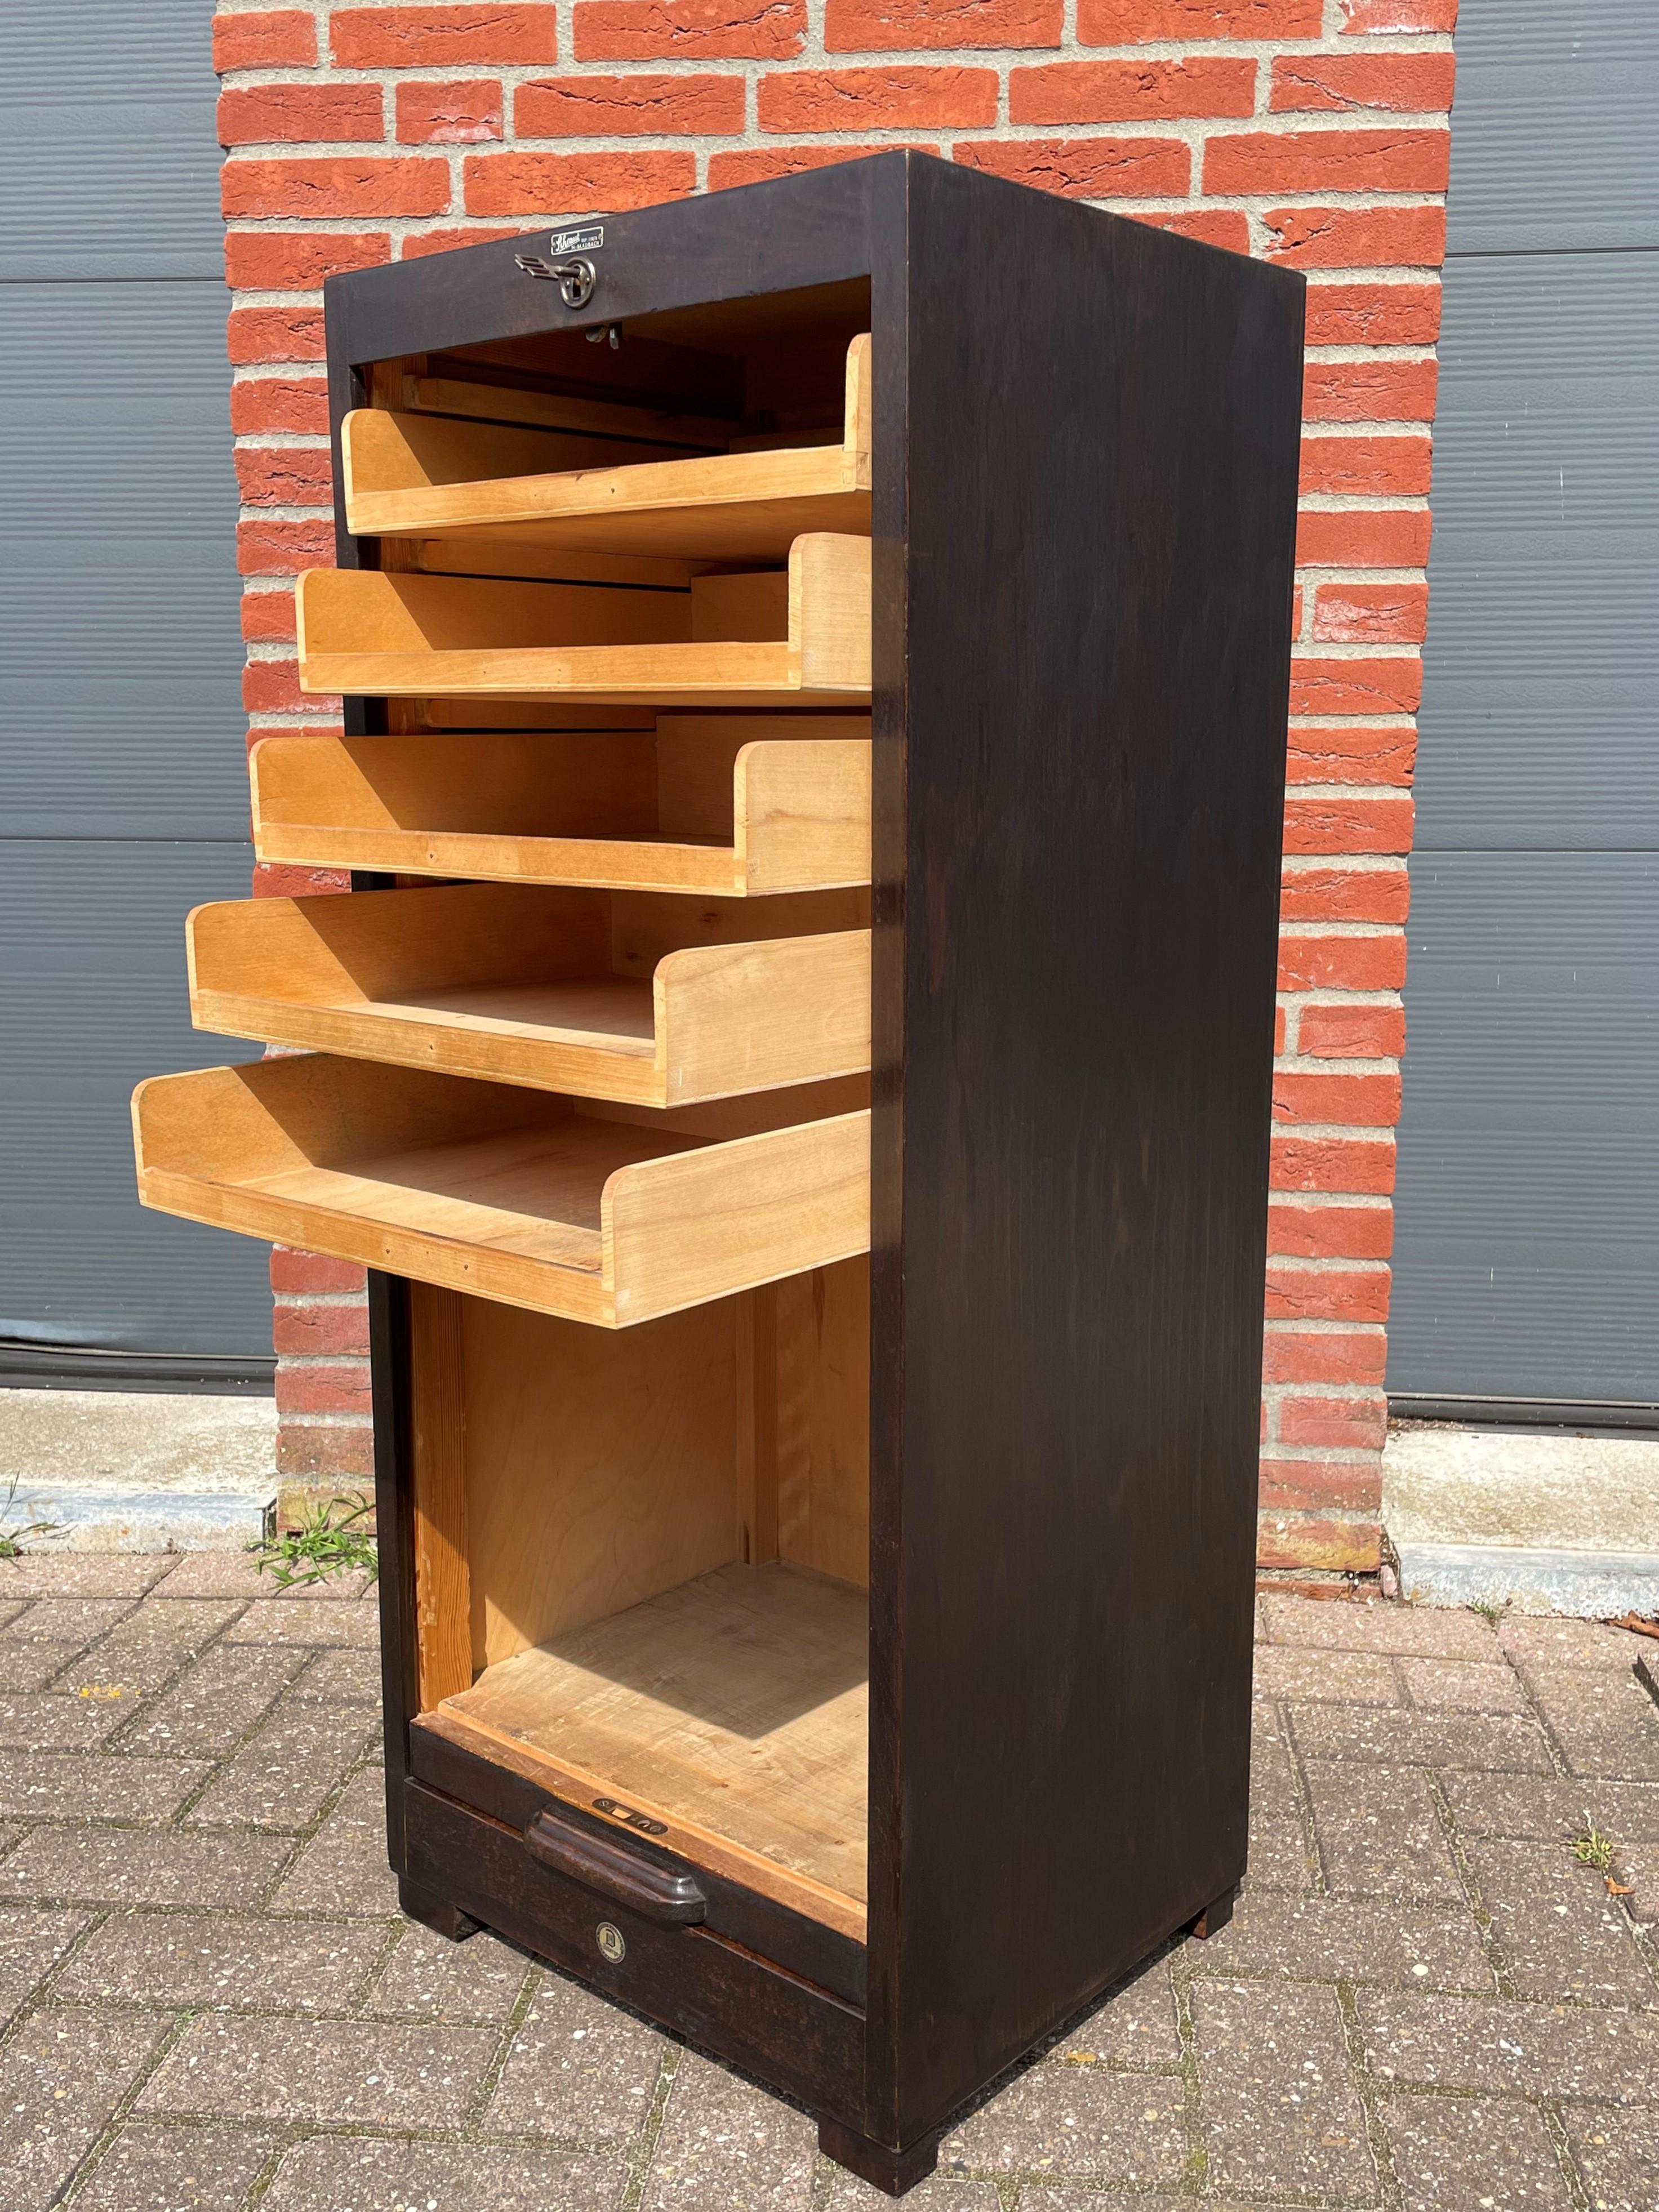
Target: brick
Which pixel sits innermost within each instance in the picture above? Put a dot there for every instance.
(1320, 1485)
(458, 113)
(1327, 1543)
(1369, 391)
(1367, 754)
(443, 37)
(268, 39)
(1398, 15)
(1409, 84)
(298, 260)
(1342, 963)
(568, 183)
(284, 476)
(313, 1270)
(282, 879)
(259, 405)
(858, 26)
(1344, 895)
(293, 114)
(344, 185)
(1357, 687)
(575, 106)
(336, 1451)
(272, 687)
(679, 30)
(255, 334)
(1357, 1167)
(445, 241)
(1327, 1293)
(1373, 314)
(1327, 161)
(1336, 1425)
(1330, 1232)
(1374, 1032)
(1085, 169)
(896, 99)
(1357, 238)
(1293, 1355)
(1352, 467)
(752, 164)
(1363, 537)
(267, 616)
(1129, 91)
(1225, 226)
(338, 1387)
(1136, 22)
(1348, 825)
(1371, 614)
(1370, 1102)
(322, 1330)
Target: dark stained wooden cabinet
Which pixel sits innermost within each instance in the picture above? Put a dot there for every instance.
(797, 1062)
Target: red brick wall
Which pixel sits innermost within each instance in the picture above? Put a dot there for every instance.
(1309, 132)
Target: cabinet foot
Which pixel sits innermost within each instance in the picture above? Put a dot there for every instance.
(432, 1912)
(892, 2171)
(1215, 1916)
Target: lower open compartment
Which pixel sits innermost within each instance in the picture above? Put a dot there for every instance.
(640, 1565)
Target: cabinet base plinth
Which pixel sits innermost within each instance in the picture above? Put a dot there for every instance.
(432, 1912)
(892, 2171)
(1215, 1916)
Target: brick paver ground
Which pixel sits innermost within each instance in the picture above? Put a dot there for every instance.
(209, 2001)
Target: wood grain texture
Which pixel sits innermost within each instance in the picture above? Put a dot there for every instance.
(442, 1576)
(822, 1442)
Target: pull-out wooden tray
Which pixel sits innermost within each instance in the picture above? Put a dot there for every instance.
(608, 1214)
(799, 638)
(589, 475)
(655, 1001)
(712, 804)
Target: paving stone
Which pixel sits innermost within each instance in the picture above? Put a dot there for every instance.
(146, 1650)
(235, 2065)
(215, 1958)
(344, 1868)
(943, 2192)
(31, 1941)
(1082, 2121)
(1637, 1865)
(61, 2077)
(1421, 1632)
(89, 1785)
(1454, 2151)
(76, 1622)
(332, 2175)
(1346, 1677)
(1273, 1780)
(1618, 2154)
(1280, 1858)
(278, 1620)
(1134, 2025)
(42, 1720)
(1463, 1686)
(1380, 1834)
(135, 1866)
(154, 2167)
(215, 1702)
(81, 1574)
(1500, 1742)
(1605, 1723)
(727, 2147)
(10, 1609)
(1279, 2104)
(1326, 1938)
(1556, 1642)
(1553, 1810)
(31, 1666)
(1560, 1933)
(1514, 2048)
(578, 2068)
(285, 1774)
(343, 1677)
(428, 1978)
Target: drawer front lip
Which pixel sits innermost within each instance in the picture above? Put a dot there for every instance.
(802, 1947)
(796, 2037)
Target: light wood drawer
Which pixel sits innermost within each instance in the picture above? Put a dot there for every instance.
(655, 1000)
(608, 1214)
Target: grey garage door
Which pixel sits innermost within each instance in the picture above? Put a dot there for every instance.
(122, 796)
(1528, 1259)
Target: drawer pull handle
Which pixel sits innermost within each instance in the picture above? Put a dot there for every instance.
(654, 1892)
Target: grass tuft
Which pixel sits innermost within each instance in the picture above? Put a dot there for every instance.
(330, 1540)
(1591, 1847)
(12, 1539)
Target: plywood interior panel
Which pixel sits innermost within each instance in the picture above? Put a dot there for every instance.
(822, 1413)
